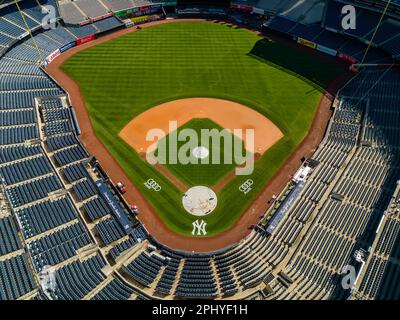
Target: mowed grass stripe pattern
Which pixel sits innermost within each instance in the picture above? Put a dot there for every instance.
(126, 76)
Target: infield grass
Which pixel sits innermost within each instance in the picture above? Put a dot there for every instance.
(128, 75)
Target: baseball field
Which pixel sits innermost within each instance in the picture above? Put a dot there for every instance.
(128, 76)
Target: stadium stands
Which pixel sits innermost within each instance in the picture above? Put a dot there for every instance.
(344, 226)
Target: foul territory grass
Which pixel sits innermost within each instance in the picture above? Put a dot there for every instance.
(197, 172)
(126, 76)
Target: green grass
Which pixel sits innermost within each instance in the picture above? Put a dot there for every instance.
(123, 77)
(198, 172)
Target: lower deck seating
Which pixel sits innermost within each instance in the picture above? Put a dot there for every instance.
(96, 208)
(79, 278)
(59, 246)
(45, 216)
(120, 248)
(110, 230)
(31, 191)
(9, 240)
(197, 279)
(13, 153)
(144, 269)
(115, 290)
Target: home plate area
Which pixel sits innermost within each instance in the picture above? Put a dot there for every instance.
(199, 201)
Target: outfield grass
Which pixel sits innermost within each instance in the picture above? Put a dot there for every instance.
(123, 77)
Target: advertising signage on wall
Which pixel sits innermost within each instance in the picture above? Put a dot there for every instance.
(67, 46)
(241, 7)
(101, 17)
(327, 50)
(307, 43)
(114, 205)
(346, 58)
(138, 10)
(121, 13)
(144, 8)
(52, 56)
(95, 19)
(84, 23)
(85, 39)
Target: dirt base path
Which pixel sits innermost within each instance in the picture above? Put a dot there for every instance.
(147, 216)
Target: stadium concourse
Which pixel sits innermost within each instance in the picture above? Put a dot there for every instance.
(67, 233)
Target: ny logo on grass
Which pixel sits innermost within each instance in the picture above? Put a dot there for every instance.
(187, 147)
(199, 228)
(349, 21)
(49, 21)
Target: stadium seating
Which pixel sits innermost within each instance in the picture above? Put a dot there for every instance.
(44, 216)
(342, 226)
(16, 279)
(79, 278)
(335, 41)
(115, 290)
